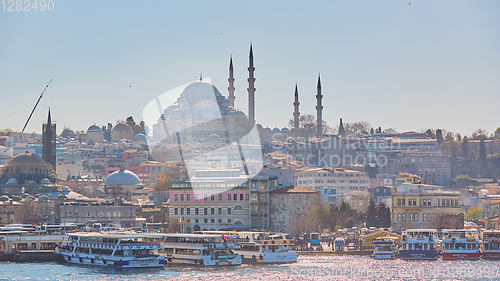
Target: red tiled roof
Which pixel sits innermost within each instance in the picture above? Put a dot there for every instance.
(293, 189)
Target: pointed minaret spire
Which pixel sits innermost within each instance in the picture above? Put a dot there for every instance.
(296, 113)
(231, 83)
(341, 129)
(319, 109)
(251, 88)
(49, 120)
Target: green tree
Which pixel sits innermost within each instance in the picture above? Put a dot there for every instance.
(482, 151)
(473, 214)
(383, 215)
(371, 214)
(439, 136)
(465, 148)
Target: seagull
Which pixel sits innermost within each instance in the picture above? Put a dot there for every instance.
(130, 86)
(409, 3)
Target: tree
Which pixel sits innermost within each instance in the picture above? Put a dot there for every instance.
(465, 148)
(372, 131)
(473, 214)
(390, 131)
(496, 134)
(354, 129)
(482, 151)
(371, 214)
(308, 122)
(430, 134)
(383, 215)
(458, 137)
(439, 136)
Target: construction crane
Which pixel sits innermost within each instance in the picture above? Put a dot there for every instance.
(41, 95)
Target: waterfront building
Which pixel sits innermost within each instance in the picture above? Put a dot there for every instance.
(357, 199)
(286, 203)
(425, 206)
(87, 212)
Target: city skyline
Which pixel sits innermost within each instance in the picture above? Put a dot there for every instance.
(408, 67)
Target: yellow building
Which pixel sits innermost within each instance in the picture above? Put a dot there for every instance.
(425, 206)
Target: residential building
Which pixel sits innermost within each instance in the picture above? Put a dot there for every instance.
(425, 206)
(357, 199)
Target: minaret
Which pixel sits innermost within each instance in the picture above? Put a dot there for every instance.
(231, 83)
(296, 113)
(341, 129)
(49, 143)
(251, 88)
(319, 109)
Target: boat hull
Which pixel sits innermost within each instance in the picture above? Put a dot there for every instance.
(112, 261)
(460, 255)
(417, 255)
(491, 255)
(279, 257)
(203, 260)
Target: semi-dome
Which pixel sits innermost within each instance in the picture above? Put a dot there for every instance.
(93, 128)
(276, 130)
(122, 127)
(285, 130)
(45, 181)
(213, 138)
(122, 177)
(140, 137)
(12, 181)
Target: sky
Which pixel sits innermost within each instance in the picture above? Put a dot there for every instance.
(394, 64)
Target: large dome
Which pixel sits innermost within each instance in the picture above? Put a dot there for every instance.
(121, 127)
(27, 158)
(199, 91)
(140, 137)
(93, 128)
(68, 133)
(122, 177)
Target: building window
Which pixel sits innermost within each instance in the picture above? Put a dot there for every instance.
(403, 216)
(456, 202)
(411, 217)
(439, 201)
(212, 220)
(176, 197)
(175, 211)
(196, 211)
(196, 220)
(429, 202)
(188, 211)
(229, 211)
(238, 208)
(205, 220)
(247, 197)
(415, 217)
(182, 197)
(424, 217)
(220, 196)
(188, 197)
(235, 197)
(212, 211)
(447, 202)
(220, 211)
(220, 220)
(196, 197)
(228, 220)
(399, 217)
(229, 197)
(205, 197)
(241, 197)
(205, 211)
(182, 211)
(212, 197)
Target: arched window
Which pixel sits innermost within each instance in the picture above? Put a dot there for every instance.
(114, 214)
(238, 208)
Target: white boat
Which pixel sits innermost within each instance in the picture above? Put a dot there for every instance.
(117, 250)
(418, 244)
(263, 247)
(385, 248)
(491, 244)
(202, 249)
(460, 244)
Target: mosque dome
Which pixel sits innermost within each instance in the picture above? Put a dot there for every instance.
(12, 181)
(67, 133)
(200, 90)
(45, 181)
(276, 130)
(213, 138)
(140, 137)
(26, 158)
(122, 177)
(122, 127)
(285, 130)
(267, 129)
(94, 128)
(259, 126)
(239, 113)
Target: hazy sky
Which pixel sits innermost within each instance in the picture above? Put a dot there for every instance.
(430, 64)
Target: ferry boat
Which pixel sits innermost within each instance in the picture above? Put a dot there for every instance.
(201, 249)
(491, 244)
(385, 248)
(263, 247)
(460, 244)
(418, 244)
(117, 250)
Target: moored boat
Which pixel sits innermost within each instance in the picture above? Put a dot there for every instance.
(418, 244)
(491, 244)
(460, 244)
(385, 248)
(200, 249)
(117, 250)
